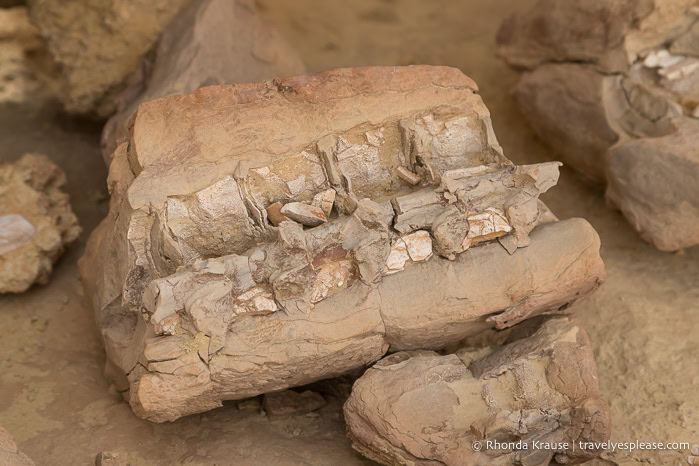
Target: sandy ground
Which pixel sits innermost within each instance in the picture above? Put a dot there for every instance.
(644, 321)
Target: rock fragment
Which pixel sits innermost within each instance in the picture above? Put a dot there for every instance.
(606, 77)
(10, 455)
(540, 388)
(274, 213)
(223, 41)
(325, 200)
(36, 221)
(308, 215)
(408, 176)
(201, 298)
(292, 403)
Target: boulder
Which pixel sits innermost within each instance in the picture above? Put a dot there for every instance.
(534, 400)
(36, 221)
(598, 88)
(10, 455)
(209, 42)
(27, 73)
(202, 297)
(98, 43)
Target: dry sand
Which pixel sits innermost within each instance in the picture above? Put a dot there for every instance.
(643, 322)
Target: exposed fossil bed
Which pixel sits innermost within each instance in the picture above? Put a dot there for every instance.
(613, 86)
(58, 406)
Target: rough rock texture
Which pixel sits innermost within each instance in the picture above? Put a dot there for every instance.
(98, 44)
(200, 298)
(613, 86)
(9, 453)
(209, 42)
(290, 402)
(26, 69)
(36, 221)
(540, 389)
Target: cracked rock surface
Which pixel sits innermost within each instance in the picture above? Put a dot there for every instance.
(540, 387)
(201, 296)
(10, 455)
(36, 221)
(98, 44)
(208, 42)
(613, 87)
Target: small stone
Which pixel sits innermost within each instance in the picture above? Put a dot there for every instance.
(308, 215)
(692, 460)
(406, 175)
(325, 201)
(290, 403)
(419, 245)
(15, 230)
(375, 138)
(274, 214)
(695, 450)
(661, 59)
(487, 225)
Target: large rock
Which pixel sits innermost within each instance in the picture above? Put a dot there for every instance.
(10, 455)
(36, 221)
(533, 401)
(27, 72)
(201, 298)
(593, 108)
(209, 42)
(98, 44)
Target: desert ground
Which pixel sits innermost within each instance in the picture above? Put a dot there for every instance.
(643, 322)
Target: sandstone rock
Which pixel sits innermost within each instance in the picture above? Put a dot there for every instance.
(305, 214)
(36, 221)
(540, 389)
(98, 44)
(289, 403)
(201, 298)
(209, 42)
(9, 453)
(27, 72)
(602, 86)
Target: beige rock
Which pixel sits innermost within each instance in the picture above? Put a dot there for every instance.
(98, 43)
(540, 389)
(201, 299)
(274, 213)
(27, 73)
(597, 88)
(305, 214)
(209, 42)
(289, 403)
(36, 221)
(325, 200)
(10, 455)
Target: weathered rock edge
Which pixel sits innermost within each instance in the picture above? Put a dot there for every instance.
(613, 87)
(201, 297)
(420, 408)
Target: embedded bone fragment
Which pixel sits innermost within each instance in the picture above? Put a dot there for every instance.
(36, 221)
(224, 42)
(203, 295)
(593, 90)
(408, 176)
(274, 213)
(540, 388)
(10, 455)
(325, 200)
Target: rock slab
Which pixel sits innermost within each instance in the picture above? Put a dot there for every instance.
(201, 296)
